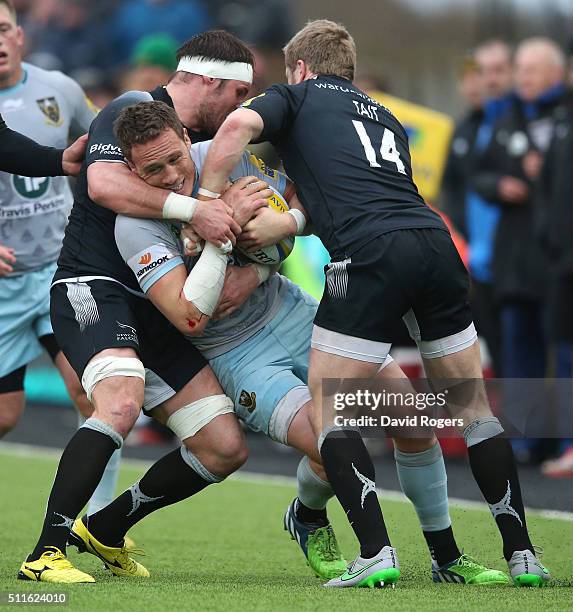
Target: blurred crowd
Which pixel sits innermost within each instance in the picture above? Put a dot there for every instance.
(508, 190)
(111, 46)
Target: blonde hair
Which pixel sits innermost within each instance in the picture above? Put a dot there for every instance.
(326, 47)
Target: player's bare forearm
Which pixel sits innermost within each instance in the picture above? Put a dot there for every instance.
(115, 186)
(168, 297)
(241, 127)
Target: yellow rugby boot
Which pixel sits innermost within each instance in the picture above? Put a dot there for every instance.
(52, 566)
(116, 559)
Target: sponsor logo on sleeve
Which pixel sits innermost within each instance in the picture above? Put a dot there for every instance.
(150, 259)
(103, 149)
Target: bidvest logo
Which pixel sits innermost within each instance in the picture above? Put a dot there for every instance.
(106, 149)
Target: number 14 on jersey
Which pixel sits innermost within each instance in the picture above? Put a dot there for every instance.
(388, 149)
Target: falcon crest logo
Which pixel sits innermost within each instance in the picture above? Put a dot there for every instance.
(248, 400)
(51, 110)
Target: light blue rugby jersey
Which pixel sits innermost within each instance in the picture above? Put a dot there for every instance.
(152, 248)
(48, 107)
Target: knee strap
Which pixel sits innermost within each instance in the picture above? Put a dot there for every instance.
(107, 367)
(188, 420)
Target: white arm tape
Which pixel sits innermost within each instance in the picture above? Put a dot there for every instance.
(207, 193)
(180, 207)
(299, 218)
(205, 281)
(263, 271)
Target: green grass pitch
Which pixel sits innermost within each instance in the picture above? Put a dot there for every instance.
(226, 550)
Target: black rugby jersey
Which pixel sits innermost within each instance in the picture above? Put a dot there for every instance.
(349, 158)
(21, 155)
(89, 247)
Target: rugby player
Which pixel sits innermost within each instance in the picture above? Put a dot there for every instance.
(51, 107)
(391, 258)
(126, 354)
(260, 353)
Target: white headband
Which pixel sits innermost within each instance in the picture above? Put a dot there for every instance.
(216, 69)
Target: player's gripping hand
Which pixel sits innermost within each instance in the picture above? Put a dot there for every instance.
(213, 221)
(6, 258)
(245, 196)
(239, 284)
(73, 156)
(267, 227)
(191, 241)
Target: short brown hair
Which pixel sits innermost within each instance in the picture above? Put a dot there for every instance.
(10, 6)
(143, 122)
(219, 45)
(325, 46)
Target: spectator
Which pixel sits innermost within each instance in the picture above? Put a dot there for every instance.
(154, 62)
(508, 171)
(270, 29)
(137, 18)
(71, 39)
(493, 59)
(462, 146)
(555, 227)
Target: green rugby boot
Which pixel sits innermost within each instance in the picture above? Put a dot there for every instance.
(318, 544)
(466, 570)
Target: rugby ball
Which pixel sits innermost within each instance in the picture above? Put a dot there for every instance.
(275, 253)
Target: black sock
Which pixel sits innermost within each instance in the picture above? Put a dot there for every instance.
(442, 545)
(495, 472)
(168, 481)
(310, 515)
(79, 472)
(351, 474)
